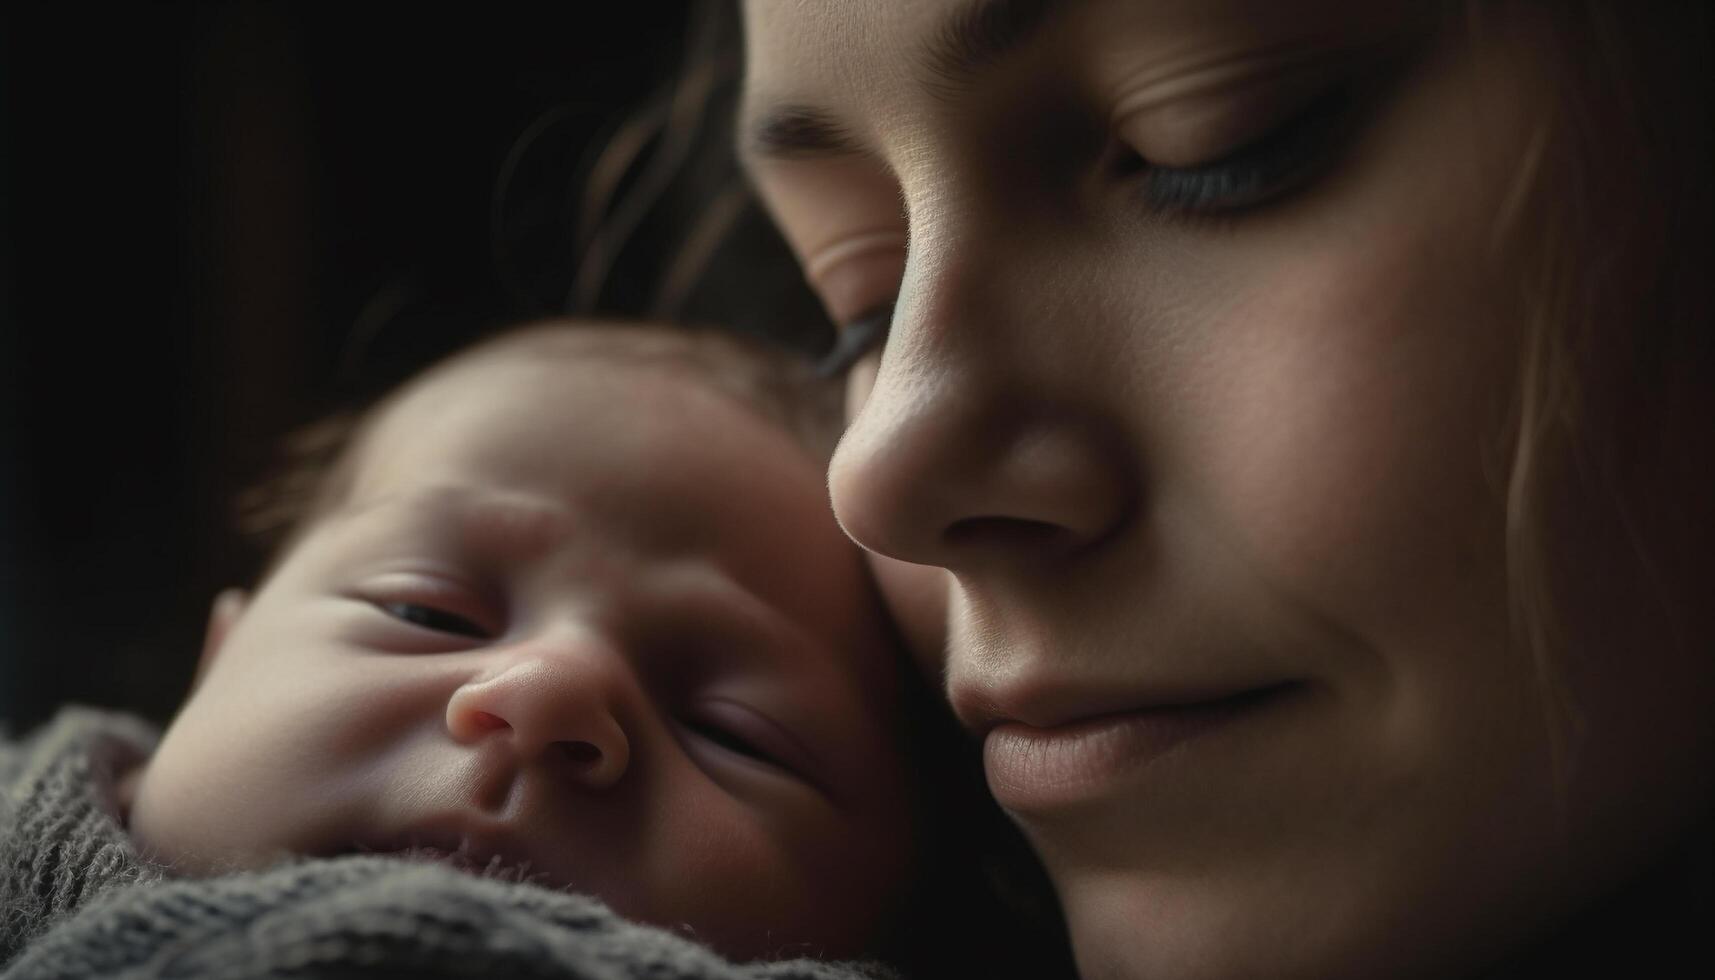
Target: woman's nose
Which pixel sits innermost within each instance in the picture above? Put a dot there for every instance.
(963, 460)
(560, 705)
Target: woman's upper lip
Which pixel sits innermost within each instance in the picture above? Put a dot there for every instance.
(1049, 706)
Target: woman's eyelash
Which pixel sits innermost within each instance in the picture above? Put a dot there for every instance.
(854, 341)
(1254, 174)
(428, 617)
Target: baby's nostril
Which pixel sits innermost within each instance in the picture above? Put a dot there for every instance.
(488, 721)
(582, 753)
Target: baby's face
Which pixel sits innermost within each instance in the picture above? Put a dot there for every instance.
(592, 620)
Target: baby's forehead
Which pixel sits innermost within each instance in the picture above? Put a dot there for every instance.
(537, 415)
(561, 357)
(692, 351)
(537, 374)
(512, 411)
(517, 418)
(633, 371)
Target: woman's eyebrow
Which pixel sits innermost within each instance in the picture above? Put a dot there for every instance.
(795, 131)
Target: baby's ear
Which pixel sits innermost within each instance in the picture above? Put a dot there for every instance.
(228, 606)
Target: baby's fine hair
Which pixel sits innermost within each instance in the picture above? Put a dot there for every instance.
(317, 463)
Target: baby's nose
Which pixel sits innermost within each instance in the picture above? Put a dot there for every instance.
(556, 707)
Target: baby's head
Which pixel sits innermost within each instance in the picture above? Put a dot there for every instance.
(572, 604)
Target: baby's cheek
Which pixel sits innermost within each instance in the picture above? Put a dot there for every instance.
(258, 765)
(187, 812)
(713, 866)
(754, 877)
(916, 597)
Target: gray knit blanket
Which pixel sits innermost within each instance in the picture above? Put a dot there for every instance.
(76, 900)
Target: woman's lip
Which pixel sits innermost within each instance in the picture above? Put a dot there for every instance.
(1034, 769)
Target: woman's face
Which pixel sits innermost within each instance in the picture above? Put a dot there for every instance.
(1199, 385)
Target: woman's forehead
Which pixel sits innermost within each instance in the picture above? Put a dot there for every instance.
(814, 68)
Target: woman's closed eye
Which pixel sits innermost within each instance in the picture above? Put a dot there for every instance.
(1285, 132)
(1268, 167)
(856, 277)
(856, 340)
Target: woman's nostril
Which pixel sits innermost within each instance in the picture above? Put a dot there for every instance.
(1007, 533)
(582, 753)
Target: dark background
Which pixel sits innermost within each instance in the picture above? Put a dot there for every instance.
(220, 221)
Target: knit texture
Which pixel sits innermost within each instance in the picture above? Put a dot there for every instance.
(60, 839)
(76, 900)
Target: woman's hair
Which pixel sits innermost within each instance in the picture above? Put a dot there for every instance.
(1613, 200)
(657, 222)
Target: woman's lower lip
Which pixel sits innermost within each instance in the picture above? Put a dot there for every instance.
(1039, 769)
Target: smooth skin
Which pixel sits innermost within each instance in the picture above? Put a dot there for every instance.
(588, 622)
(1200, 381)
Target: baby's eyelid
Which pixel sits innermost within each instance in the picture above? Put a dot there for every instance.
(438, 620)
(786, 751)
(442, 595)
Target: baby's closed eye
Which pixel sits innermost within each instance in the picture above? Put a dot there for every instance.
(738, 730)
(431, 606)
(432, 618)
